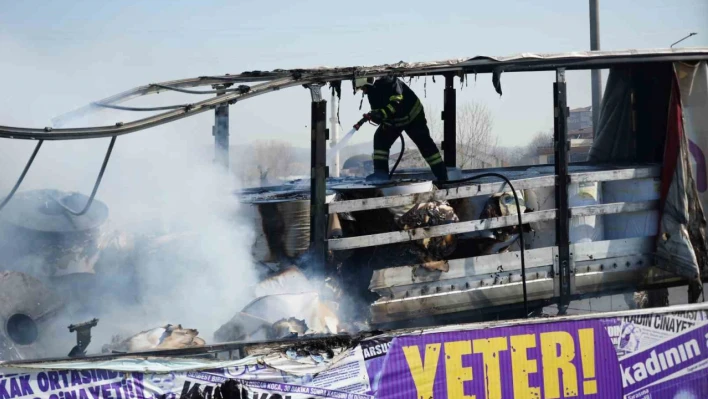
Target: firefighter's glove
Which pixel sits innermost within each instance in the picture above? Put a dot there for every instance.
(377, 116)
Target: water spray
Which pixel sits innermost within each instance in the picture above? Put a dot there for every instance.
(348, 136)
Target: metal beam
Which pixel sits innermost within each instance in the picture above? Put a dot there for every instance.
(459, 271)
(478, 189)
(439, 195)
(487, 224)
(630, 173)
(283, 79)
(318, 176)
(449, 116)
(596, 77)
(221, 133)
(614, 208)
(334, 130)
(421, 233)
(474, 65)
(560, 143)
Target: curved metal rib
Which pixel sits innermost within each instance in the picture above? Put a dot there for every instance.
(145, 123)
(154, 89)
(141, 109)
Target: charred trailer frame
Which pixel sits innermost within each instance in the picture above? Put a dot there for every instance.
(567, 257)
(562, 278)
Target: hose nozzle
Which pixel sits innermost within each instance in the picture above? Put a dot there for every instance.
(362, 121)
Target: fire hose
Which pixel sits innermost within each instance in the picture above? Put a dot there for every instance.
(22, 175)
(520, 224)
(57, 200)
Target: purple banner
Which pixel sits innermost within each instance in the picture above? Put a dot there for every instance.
(691, 386)
(665, 359)
(550, 360)
(375, 351)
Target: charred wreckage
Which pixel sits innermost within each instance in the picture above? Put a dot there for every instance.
(488, 244)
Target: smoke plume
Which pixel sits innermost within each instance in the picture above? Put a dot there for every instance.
(159, 183)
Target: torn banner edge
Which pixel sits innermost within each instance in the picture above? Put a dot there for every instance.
(681, 244)
(277, 360)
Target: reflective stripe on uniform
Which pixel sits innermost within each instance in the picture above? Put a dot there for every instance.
(383, 111)
(390, 108)
(381, 152)
(396, 97)
(434, 159)
(379, 157)
(404, 120)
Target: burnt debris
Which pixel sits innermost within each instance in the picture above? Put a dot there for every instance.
(166, 337)
(83, 337)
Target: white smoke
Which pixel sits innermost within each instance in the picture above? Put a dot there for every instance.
(160, 181)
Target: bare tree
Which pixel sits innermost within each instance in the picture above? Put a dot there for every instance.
(265, 161)
(529, 154)
(476, 143)
(540, 140)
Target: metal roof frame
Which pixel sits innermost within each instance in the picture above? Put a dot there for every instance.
(280, 79)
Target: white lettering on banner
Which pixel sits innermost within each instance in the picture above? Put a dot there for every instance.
(245, 389)
(655, 364)
(379, 349)
(614, 333)
(101, 384)
(669, 323)
(375, 347)
(72, 384)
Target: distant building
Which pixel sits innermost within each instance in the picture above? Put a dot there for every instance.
(579, 150)
(580, 118)
(580, 134)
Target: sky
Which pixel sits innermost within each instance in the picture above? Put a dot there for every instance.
(60, 55)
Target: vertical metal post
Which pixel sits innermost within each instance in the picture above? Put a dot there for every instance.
(221, 132)
(449, 117)
(318, 176)
(560, 144)
(596, 77)
(334, 129)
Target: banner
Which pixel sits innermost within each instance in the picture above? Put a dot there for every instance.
(631, 355)
(664, 364)
(102, 384)
(550, 360)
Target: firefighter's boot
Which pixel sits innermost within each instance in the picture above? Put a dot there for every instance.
(440, 171)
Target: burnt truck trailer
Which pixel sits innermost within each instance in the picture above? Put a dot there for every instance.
(496, 244)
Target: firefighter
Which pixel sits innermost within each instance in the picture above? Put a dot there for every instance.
(396, 108)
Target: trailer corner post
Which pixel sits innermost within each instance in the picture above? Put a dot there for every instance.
(560, 144)
(334, 130)
(449, 117)
(318, 178)
(221, 131)
(596, 77)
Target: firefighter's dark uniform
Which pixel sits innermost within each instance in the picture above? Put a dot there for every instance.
(402, 111)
